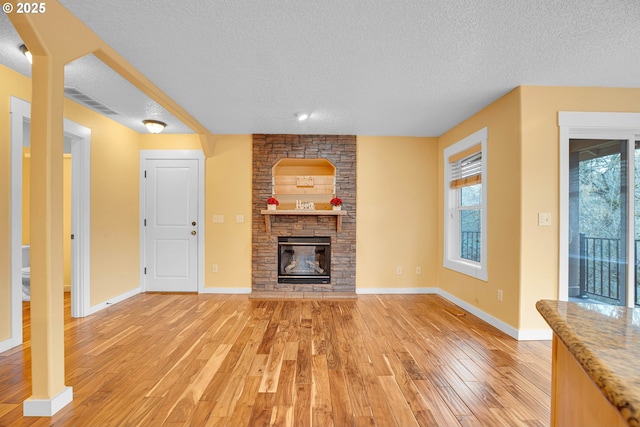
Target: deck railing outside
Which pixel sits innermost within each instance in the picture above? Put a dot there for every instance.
(601, 269)
(470, 245)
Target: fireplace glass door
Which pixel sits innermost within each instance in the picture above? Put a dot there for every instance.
(304, 259)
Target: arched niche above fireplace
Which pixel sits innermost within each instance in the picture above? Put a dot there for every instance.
(307, 180)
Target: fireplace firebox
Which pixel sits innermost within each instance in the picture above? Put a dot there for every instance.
(304, 260)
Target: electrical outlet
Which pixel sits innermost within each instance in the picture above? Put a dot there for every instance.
(239, 218)
(215, 268)
(418, 270)
(218, 219)
(499, 294)
(544, 218)
(398, 270)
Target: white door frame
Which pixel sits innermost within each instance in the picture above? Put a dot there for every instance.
(173, 155)
(81, 219)
(587, 125)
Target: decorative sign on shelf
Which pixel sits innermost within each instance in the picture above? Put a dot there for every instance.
(304, 181)
(302, 205)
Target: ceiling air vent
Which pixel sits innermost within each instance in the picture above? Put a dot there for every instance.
(88, 101)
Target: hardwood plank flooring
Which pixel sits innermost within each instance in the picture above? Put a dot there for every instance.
(227, 360)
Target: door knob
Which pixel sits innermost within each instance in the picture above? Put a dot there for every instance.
(193, 223)
(193, 233)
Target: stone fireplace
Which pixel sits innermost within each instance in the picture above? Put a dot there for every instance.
(336, 233)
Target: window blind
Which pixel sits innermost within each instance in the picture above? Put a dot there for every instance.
(466, 168)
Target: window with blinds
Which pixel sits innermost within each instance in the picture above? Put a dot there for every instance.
(465, 200)
(466, 168)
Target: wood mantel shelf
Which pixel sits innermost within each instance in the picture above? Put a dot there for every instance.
(338, 214)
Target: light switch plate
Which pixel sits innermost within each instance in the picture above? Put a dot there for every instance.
(239, 218)
(218, 219)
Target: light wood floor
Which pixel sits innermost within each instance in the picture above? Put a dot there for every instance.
(217, 360)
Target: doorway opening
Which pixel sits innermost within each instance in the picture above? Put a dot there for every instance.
(77, 140)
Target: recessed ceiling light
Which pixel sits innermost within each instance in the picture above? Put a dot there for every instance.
(301, 116)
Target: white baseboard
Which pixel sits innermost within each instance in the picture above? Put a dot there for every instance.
(225, 291)
(496, 323)
(520, 335)
(47, 407)
(535, 334)
(96, 308)
(381, 291)
(8, 344)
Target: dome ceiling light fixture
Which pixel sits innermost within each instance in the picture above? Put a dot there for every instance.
(154, 126)
(25, 52)
(301, 116)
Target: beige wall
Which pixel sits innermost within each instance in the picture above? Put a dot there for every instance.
(169, 141)
(228, 193)
(502, 119)
(115, 201)
(397, 212)
(66, 217)
(540, 181)
(66, 214)
(26, 195)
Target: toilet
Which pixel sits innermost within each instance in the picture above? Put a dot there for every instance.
(26, 273)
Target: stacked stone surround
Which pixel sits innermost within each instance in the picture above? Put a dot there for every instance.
(341, 151)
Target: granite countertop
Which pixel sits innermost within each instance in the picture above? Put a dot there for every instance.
(605, 340)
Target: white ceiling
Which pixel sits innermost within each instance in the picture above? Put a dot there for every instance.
(363, 67)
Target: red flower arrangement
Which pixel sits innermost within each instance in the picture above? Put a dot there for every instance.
(336, 201)
(273, 201)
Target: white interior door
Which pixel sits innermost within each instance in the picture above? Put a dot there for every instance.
(171, 230)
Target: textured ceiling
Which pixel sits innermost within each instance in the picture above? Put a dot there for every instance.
(364, 67)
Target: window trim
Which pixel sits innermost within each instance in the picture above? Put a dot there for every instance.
(451, 256)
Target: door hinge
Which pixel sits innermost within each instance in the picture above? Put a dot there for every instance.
(145, 222)
(145, 270)
(73, 236)
(145, 174)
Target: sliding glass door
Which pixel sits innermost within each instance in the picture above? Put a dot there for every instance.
(604, 220)
(635, 190)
